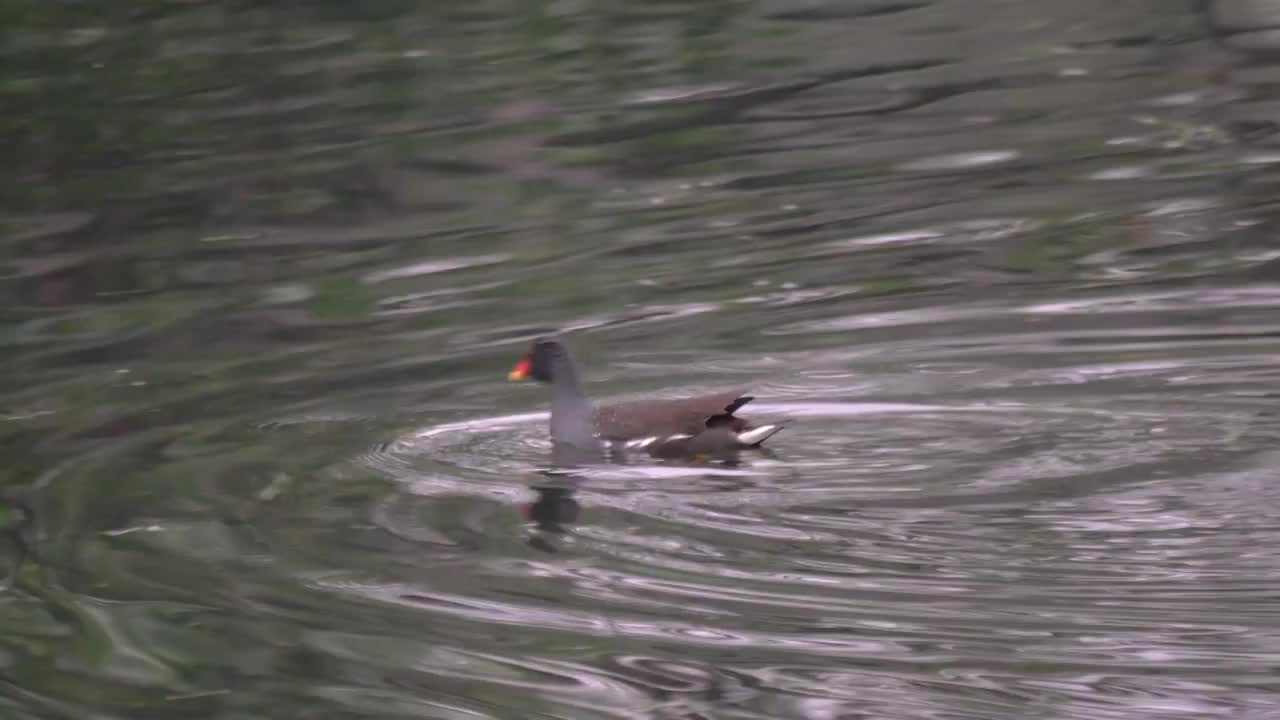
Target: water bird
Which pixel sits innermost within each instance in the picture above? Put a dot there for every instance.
(699, 428)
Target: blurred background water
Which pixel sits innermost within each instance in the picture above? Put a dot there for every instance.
(1008, 268)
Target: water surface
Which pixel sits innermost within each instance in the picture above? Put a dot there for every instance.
(1007, 269)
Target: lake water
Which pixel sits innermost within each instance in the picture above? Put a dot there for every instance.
(1007, 269)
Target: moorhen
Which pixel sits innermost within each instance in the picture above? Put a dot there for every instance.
(702, 427)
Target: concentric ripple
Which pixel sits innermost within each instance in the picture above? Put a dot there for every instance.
(1086, 519)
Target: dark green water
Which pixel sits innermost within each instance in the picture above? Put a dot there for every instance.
(1008, 268)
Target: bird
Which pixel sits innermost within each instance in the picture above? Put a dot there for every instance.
(701, 427)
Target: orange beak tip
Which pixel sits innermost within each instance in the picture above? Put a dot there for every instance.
(520, 371)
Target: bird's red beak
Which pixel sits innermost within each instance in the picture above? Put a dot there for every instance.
(520, 371)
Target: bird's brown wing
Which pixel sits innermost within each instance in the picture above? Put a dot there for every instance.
(642, 418)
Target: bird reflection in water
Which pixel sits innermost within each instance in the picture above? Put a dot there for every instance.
(552, 513)
(554, 510)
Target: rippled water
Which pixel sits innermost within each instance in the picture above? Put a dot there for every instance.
(1007, 270)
